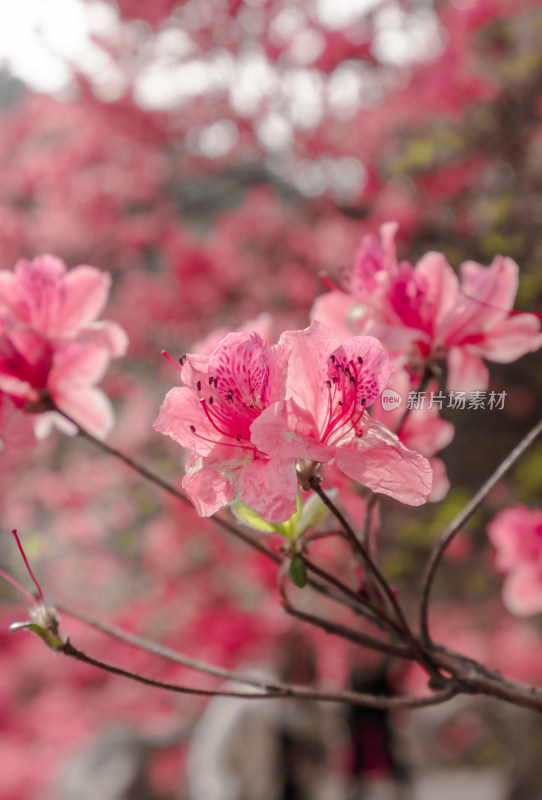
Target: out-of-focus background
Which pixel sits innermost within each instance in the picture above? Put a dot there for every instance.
(216, 157)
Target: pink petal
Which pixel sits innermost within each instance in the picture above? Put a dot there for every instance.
(307, 352)
(207, 489)
(41, 282)
(380, 462)
(522, 591)
(486, 295)
(441, 484)
(492, 288)
(108, 335)
(441, 285)
(287, 430)
(13, 301)
(195, 368)
(373, 260)
(426, 432)
(44, 424)
(89, 407)
(332, 310)
(17, 388)
(78, 363)
(240, 363)
(511, 339)
(466, 371)
(181, 409)
(269, 487)
(374, 373)
(25, 355)
(514, 534)
(86, 293)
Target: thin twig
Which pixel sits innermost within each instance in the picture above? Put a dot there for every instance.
(428, 375)
(367, 523)
(374, 614)
(344, 632)
(293, 691)
(369, 542)
(439, 549)
(169, 488)
(419, 654)
(69, 650)
(166, 652)
(469, 676)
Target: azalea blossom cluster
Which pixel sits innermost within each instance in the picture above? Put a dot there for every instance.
(258, 419)
(52, 348)
(210, 206)
(424, 314)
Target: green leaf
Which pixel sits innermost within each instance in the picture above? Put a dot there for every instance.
(297, 572)
(289, 529)
(251, 518)
(313, 512)
(248, 516)
(306, 516)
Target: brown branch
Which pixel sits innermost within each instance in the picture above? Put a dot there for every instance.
(69, 650)
(475, 678)
(366, 533)
(439, 549)
(467, 675)
(418, 652)
(374, 614)
(344, 632)
(430, 372)
(166, 652)
(167, 487)
(271, 689)
(294, 691)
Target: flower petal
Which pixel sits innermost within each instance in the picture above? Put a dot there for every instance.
(466, 371)
(287, 430)
(86, 292)
(373, 373)
(269, 487)
(207, 489)
(182, 418)
(380, 462)
(522, 591)
(307, 354)
(511, 339)
(88, 406)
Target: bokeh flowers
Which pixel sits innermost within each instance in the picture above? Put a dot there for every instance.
(424, 313)
(53, 350)
(516, 534)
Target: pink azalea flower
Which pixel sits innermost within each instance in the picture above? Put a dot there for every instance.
(424, 312)
(423, 430)
(212, 415)
(323, 415)
(43, 295)
(516, 534)
(52, 349)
